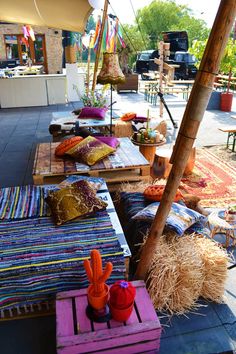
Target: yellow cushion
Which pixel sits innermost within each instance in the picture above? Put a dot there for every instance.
(90, 150)
(74, 201)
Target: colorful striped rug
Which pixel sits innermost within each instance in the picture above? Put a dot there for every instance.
(22, 202)
(39, 259)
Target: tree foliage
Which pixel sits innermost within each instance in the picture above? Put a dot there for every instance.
(161, 16)
(228, 62)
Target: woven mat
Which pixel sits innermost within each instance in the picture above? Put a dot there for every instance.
(213, 180)
(22, 202)
(39, 259)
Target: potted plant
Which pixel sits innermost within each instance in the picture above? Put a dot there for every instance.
(98, 291)
(220, 100)
(227, 67)
(121, 302)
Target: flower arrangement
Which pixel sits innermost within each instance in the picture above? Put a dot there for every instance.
(94, 99)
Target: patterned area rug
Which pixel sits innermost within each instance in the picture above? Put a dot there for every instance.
(39, 259)
(213, 180)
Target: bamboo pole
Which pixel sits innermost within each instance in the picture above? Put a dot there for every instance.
(99, 44)
(193, 115)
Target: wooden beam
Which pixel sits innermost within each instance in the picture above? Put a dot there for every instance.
(193, 115)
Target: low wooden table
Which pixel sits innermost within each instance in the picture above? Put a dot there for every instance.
(126, 164)
(148, 150)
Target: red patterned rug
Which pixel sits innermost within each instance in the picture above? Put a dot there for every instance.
(213, 180)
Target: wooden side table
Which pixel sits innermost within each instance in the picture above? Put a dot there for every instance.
(148, 150)
(219, 225)
(163, 167)
(76, 333)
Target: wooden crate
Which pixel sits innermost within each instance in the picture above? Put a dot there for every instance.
(77, 334)
(126, 164)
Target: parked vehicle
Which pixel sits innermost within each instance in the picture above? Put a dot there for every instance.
(178, 55)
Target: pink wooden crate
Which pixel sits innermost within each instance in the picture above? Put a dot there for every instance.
(76, 334)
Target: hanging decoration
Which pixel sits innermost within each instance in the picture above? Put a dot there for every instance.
(111, 35)
(28, 33)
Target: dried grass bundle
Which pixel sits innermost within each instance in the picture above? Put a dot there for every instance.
(215, 260)
(184, 269)
(176, 276)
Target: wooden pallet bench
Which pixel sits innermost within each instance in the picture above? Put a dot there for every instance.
(126, 164)
(231, 134)
(76, 333)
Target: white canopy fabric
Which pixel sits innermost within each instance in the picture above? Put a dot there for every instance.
(69, 15)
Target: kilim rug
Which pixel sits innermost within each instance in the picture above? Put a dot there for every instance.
(39, 259)
(213, 180)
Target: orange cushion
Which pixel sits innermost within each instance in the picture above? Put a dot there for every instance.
(128, 116)
(67, 144)
(155, 192)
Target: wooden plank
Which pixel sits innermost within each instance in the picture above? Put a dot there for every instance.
(83, 322)
(43, 162)
(108, 338)
(57, 164)
(70, 294)
(65, 324)
(150, 347)
(145, 306)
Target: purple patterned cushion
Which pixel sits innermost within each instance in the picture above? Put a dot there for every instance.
(109, 140)
(139, 119)
(90, 151)
(93, 112)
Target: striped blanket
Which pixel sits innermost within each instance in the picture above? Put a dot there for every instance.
(22, 202)
(39, 259)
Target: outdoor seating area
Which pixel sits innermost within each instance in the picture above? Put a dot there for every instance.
(117, 187)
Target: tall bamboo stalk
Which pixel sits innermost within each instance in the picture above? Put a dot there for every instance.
(99, 44)
(193, 115)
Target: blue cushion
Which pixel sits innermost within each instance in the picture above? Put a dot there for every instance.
(179, 219)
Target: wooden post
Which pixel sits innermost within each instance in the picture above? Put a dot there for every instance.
(99, 45)
(193, 115)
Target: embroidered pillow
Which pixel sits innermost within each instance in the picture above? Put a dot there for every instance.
(179, 219)
(90, 151)
(67, 144)
(155, 192)
(93, 112)
(112, 141)
(74, 201)
(96, 182)
(128, 116)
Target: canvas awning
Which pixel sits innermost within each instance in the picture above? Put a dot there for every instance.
(69, 15)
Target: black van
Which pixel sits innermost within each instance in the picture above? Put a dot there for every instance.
(178, 55)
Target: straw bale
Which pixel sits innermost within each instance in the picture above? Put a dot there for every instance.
(215, 261)
(176, 276)
(184, 269)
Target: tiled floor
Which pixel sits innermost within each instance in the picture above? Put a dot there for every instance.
(212, 329)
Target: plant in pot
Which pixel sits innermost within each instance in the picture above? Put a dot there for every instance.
(121, 302)
(98, 291)
(227, 67)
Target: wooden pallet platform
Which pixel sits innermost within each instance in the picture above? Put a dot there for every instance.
(126, 164)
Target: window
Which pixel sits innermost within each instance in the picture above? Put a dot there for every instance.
(11, 47)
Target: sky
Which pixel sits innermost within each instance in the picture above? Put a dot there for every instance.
(202, 9)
